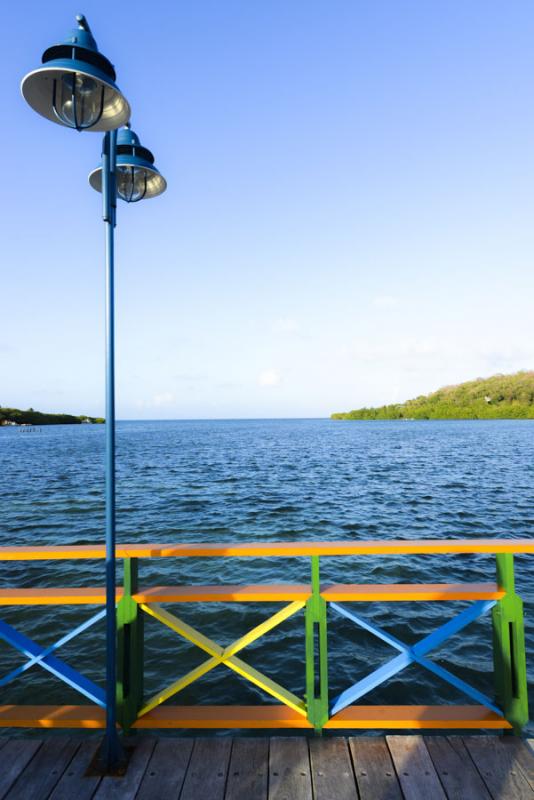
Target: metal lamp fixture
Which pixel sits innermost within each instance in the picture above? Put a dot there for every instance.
(76, 85)
(136, 176)
(76, 88)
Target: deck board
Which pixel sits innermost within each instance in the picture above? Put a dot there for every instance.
(165, 772)
(458, 775)
(208, 768)
(289, 769)
(74, 783)
(373, 768)
(497, 763)
(415, 770)
(248, 774)
(16, 755)
(44, 770)
(331, 769)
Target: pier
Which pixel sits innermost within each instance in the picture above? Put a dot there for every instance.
(398, 767)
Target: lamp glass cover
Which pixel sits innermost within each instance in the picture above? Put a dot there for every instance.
(79, 100)
(131, 183)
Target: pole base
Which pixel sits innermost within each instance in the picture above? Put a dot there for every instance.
(110, 759)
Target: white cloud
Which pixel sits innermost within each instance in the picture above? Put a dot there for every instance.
(286, 325)
(269, 377)
(385, 301)
(161, 400)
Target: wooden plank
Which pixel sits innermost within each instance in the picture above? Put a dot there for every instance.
(16, 754)
(331, 769)
(165, 773)
(268, 593)
(248, 773)
(499, 767)
(289, 769)
(207, 771)
(112, 788)
(273, 716)
(52, 717)
(257, 593)
(44, 770)
(456, 771)
(422, 717)
(414, 768)
(374, 770)
(286, 549)
(74, 783)
(413, 592)
(87, 595)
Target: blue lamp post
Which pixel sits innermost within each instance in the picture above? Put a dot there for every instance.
(75, 87)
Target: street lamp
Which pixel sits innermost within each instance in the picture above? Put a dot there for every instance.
(76, 88)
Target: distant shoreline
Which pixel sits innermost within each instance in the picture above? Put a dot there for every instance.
(15, 417)
(498, 397)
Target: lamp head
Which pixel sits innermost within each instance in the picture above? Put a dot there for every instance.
(137, 177)
(75, 86)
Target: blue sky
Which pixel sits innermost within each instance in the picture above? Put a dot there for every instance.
(349, 218)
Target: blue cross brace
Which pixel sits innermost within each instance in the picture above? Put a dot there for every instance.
(415, 654)
(43, 657)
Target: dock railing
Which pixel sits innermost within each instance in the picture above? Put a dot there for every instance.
(507, 710)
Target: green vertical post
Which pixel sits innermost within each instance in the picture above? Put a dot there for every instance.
(129, 649)
(509, 658)
(316, 653)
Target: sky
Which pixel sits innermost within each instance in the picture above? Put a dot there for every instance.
(348, 220)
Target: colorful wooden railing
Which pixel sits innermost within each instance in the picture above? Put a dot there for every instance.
(508, 710)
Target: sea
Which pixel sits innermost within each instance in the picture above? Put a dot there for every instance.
(288, 480)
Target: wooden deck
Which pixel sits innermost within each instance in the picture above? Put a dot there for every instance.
(278, 768)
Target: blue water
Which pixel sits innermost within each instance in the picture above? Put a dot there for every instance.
(263, 480)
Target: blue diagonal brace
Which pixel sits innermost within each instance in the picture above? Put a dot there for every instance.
(47, 651)
(53, 664)
(460, 621)
(371, 681)
(414, 654)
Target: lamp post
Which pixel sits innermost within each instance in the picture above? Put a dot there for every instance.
(75, 87)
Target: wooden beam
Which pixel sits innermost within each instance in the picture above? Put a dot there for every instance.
(284, 549)
(417, 717)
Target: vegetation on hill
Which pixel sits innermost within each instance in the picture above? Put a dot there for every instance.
(498, 397)
(30, 417)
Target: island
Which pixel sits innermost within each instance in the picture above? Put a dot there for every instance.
(497, 397)
(15, 416)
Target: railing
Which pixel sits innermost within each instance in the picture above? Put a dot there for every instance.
(508, 710)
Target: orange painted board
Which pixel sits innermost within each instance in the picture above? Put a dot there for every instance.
(52, 717)
(418, 717)
(232, 594)
(285, 549)
(51, 596)
(275, 716)
(412, 592)
(272, 716)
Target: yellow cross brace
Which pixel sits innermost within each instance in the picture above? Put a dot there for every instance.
(224, 655)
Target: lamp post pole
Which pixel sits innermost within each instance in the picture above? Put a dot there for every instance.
(75, 87)
(112, 752)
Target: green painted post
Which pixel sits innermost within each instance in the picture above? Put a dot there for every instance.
(316, 645)
(129, 649)
(509, 658)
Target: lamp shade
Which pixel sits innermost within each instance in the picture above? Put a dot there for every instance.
(75, 86)
(137, 177)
